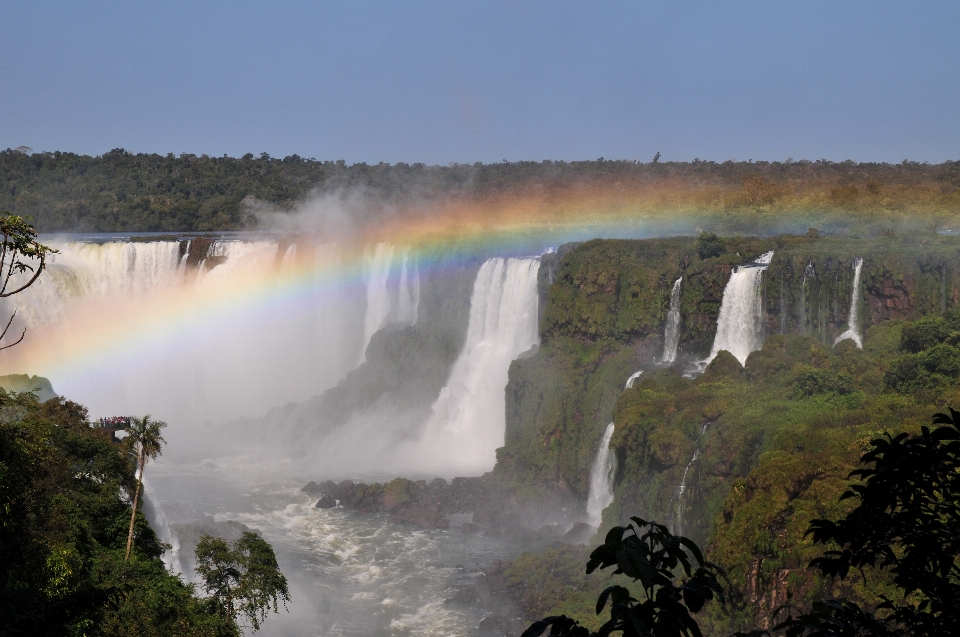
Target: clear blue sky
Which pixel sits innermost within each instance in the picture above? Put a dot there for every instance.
(467, 81)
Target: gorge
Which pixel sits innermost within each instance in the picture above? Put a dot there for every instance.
(581, 416)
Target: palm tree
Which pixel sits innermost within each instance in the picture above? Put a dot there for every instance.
(144, 434)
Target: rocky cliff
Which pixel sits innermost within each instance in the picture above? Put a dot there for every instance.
(740, 458)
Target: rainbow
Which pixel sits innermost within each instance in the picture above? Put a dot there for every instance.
(118, 334)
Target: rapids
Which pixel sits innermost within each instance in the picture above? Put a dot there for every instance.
(351, 574)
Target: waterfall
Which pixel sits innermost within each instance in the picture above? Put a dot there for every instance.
(633, 377)
(194, 345)
(783, 307)
(408, 292)
(389, 300)
(601, 479)
(853, 323)
(376, 269)
(467, 422)
(678, 522)
(808, 273)
(289, 257)
(740, 324)
(671, 332)
(158, 522)
(81, 270)
(682, 487)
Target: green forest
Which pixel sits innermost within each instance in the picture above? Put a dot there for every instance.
(766, 448)
(123, 191)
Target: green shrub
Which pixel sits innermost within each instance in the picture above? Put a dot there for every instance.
(709, 245)
(927, 372)
(809, 381)
(924, 334)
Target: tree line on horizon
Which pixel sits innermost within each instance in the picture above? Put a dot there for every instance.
(123, 191)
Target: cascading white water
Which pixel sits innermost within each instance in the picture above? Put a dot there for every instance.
(245, 332)
(408, 292)
(467, 421)
(633, 377)
(289, 257)
(671, 332)
(158, 522)
(376, 269)
(90, 269)
(740, 324)
(387, 299)
(853, 323)
(601, 479)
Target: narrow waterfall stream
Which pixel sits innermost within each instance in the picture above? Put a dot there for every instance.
(671, 333)
(853, 323)
(681, 488)
(740, 324)
(601, 479)
(158, 521)
(808, 273)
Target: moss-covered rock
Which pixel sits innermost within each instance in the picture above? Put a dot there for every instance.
(760, 449)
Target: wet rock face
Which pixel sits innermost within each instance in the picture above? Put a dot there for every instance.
(311, 488)
(326, 502)
(890, 300)
(494, 508)
(580, 533)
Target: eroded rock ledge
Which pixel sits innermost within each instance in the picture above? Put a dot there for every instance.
(475, 504)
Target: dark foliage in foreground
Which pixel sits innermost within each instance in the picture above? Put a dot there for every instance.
(65, 493)
(907, 523)
(649, 554)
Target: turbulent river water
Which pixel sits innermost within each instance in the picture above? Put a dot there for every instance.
(351, 574)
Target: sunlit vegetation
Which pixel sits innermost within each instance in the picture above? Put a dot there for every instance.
(65, 495)
(65, 565)
(122, 191)
(775, 439)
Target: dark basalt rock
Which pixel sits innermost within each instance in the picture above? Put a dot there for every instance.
(495, 508)
(551, 530)
(521, 534)
(326, 502)
(465, 596)
(580, 533)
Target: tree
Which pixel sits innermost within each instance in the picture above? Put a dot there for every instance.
(144, 435)
(650, 554)
(906, 523)
(62, 520)
(20, 253)
(709, 245)
(242, 579)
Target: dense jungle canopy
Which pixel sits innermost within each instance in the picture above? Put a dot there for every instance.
(122, 191)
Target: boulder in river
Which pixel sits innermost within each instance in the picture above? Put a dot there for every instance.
(326, 502)
(580, 533)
